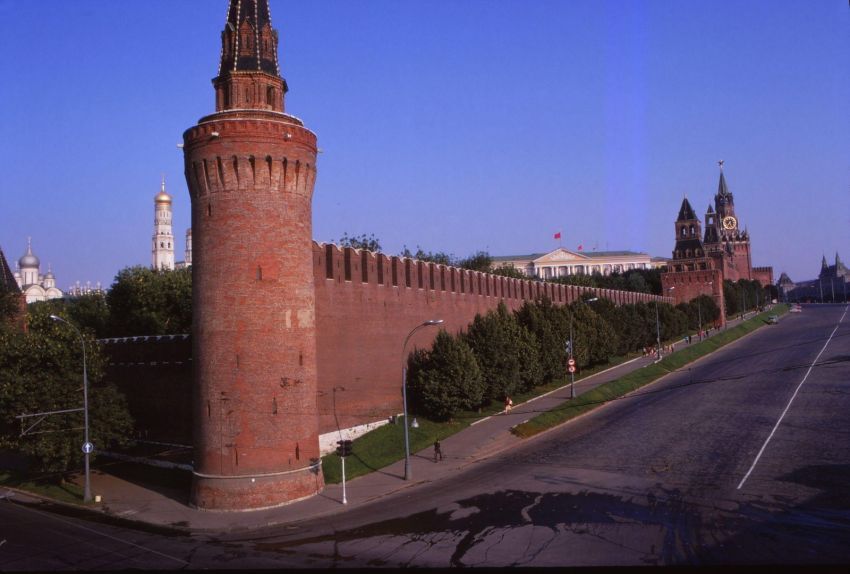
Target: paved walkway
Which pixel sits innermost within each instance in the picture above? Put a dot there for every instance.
(167, 506)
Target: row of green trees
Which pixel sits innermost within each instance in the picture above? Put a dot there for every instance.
(637, 280)
(744, 295)
(504, 353)
(41, 370)
(41, 367)
(141, 301)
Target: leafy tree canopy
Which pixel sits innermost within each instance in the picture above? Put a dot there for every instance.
(446, 379)
(144, 301)
(41, 371)
(362, 241)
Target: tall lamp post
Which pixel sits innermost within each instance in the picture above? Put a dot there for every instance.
(408, 472)
(87, 446)
(570, 348)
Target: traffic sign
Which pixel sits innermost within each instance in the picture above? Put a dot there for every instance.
(88, 448)
(572, 369)
(571, 362)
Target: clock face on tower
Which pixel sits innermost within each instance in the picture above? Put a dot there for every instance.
(729, 222)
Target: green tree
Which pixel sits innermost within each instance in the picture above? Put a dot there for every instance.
(548, 325)
(446, 379)
(362, 241)
(506, 353)
(144, 301)
(508, 271)
(438, 257)
(89, 312)
(10, 306)
(594, 339)
(631, 328)
(478, 261)
(41, 371)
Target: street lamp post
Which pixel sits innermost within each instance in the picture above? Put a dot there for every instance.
(87, 446)
(408, 472)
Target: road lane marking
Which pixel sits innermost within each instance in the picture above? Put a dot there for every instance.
(788, 406)
(102, 534)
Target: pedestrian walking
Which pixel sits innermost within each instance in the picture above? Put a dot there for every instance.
(508, 404)
(438, 450)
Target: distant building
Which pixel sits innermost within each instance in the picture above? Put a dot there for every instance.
(35, 286)
(79, 289)
(162, 242)
(830, 286)
(700, 262)
(564, 263)
(162, 250)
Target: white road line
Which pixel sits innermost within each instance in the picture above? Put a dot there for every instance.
(788, 406)
(102, 534)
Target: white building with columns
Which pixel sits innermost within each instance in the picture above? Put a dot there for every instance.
(563, 262)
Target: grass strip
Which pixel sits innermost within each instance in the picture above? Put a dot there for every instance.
(637, 379)
(49, 488)
(385, 445)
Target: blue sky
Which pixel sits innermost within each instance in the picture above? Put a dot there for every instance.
(452, 125)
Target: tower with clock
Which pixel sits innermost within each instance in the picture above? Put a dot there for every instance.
(724, 239)
(700, 265)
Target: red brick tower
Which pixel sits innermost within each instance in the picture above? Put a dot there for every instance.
(250, 169)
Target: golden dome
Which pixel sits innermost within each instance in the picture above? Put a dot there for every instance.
(162, 197)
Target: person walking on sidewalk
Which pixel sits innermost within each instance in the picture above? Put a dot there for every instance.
(508, 404)
(438, 450)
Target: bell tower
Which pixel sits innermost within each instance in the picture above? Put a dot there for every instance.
(250, 169)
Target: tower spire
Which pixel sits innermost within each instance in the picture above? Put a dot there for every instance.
(248, 71)
(722, 188)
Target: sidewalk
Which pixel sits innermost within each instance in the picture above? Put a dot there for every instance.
(167, 505)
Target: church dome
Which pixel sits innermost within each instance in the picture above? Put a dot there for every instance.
(28, 260)
(162, 197)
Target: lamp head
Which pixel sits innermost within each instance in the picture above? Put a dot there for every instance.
(433, 322)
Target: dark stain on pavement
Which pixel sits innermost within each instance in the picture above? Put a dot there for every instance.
(490, 514)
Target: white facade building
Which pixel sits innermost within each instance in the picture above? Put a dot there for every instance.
(562, 263)
(34, 285)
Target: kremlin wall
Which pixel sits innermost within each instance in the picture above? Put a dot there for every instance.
(366, 304)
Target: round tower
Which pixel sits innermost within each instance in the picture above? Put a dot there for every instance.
(250, 169)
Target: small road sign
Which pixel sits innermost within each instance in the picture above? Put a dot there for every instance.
(572, 369)
(571, 362)
(88, 448)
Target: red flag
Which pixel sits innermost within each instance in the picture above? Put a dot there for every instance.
(580, 247)
(558, 235)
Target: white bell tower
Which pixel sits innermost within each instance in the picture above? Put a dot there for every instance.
(162, 252)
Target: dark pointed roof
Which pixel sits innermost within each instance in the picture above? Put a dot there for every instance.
(722, 189)
(710, 209)
(686, 212)
(246, 20)
(824, 264)
(7, 278)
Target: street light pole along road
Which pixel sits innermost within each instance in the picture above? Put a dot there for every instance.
(408, 472)
(87, 446)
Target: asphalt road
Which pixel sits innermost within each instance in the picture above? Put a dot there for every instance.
(691, 470)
